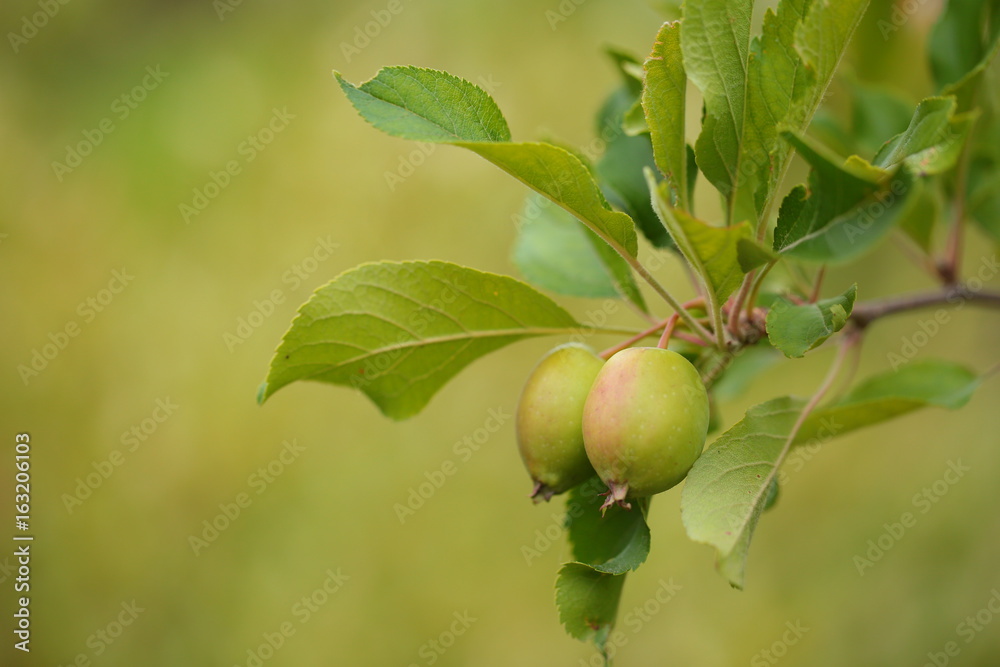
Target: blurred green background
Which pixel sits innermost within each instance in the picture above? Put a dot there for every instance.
(314, 201)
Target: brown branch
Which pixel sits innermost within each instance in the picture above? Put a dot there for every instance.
(866, 313)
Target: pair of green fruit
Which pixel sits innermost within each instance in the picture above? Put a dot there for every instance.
(638, 420)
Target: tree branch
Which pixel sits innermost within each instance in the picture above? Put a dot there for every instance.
(866, 313)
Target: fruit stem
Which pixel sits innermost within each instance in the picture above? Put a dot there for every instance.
(541, 492)
(667, 331)
(818, 285)
(615, 495)
(611, 351)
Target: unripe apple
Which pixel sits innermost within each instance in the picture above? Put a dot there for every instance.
(645, 422)
(549, 416)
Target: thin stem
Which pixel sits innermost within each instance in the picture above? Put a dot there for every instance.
(827, 383)
(759, 281)
(611, 351)
(854, 363)
(909, 248)
(866, 313)
(668, 297)
(951, 266)
(818, 284)
(694, 340)
(636, 266)
(667, 331)
(737, 306)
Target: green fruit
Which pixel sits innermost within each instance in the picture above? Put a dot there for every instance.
(645, 422)
(549, 416)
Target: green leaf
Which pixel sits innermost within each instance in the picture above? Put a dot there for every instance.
(920, 221)
(957, 42)
(966, 90)
(629, 67)
(715, 41)
(745, 369)
(877, 114)
(620, 169)
(752, 91)
(847, 209)
(427, 105)
(713, 252)
(555, 252)
(663, 101)
(728, 487)
(752, 255)
(797, 329)
(400, 331)
(559, 175)
(433, 106)
(614, 543)
(984, 194)
(915, 385)
(822, 39)
(588, 601)
(778, 85)
(933, 141)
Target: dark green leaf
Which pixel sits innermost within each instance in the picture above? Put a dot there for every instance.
(620, 169)
(958, 40)
(746, 368)
(920, 221)
(588, 601)
(614, 543)
(877, 114)
(848, 208)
